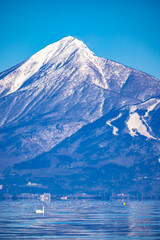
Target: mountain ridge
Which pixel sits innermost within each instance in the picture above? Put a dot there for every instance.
(56, 92)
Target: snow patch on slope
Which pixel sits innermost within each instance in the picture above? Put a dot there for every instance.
(151, 108)
(115, 129)
(139, 124)
(135, 124)
(133, 108)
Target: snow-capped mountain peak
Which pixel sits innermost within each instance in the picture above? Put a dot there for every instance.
(63, 48)
(56, 54)
(83, 113)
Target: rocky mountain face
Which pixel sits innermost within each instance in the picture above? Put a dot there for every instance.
(77, 122)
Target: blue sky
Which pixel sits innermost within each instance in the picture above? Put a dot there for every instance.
(124, 31)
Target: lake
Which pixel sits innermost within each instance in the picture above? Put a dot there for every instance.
(80, 219)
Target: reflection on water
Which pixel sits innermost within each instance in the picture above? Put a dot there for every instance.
(80, 219)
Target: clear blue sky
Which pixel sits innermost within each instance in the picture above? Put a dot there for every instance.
(125, 31)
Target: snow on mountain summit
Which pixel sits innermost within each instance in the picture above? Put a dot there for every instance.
(16, 78)
(58, 55)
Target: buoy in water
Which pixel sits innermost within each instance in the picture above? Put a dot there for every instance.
(124, 203)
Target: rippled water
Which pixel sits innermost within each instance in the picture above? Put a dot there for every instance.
(80, 219)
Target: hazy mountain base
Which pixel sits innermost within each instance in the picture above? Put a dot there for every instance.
(96, 161)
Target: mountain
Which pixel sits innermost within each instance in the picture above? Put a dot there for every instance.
(80, 122)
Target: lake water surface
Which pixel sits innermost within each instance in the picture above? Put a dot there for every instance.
(80, 219)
